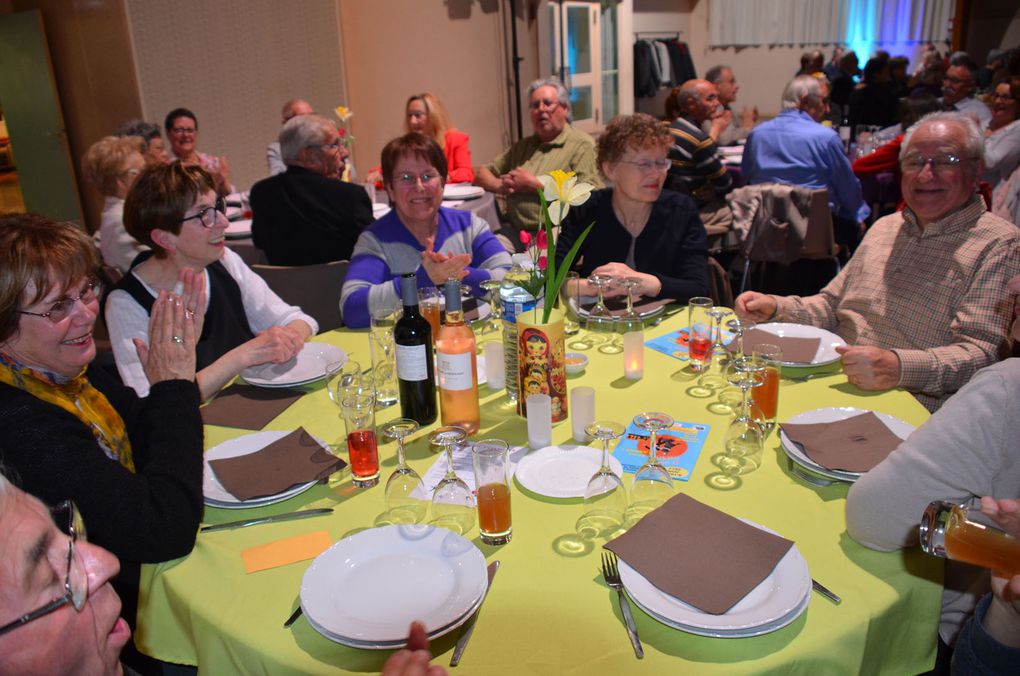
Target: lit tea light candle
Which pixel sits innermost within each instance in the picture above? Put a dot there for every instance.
(634, 355)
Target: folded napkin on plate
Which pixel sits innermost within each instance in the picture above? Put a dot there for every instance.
(618, 305)
(702, 556)
(798, 350)
(295, 459)
(247, 407)
(854, 444)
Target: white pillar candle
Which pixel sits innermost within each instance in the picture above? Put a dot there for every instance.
(539, 420)
(634, 355)
(582, 411)
(495, 370)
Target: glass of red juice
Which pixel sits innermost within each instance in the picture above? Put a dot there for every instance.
(699, 322)
(359, 419)
(491, 461)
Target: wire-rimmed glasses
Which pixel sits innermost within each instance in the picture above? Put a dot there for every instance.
(652, 484)
(402, 507)
(453, 505)
(59, 310)
(605, 497)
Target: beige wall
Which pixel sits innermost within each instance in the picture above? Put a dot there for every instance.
(95, 74)
(396, 48)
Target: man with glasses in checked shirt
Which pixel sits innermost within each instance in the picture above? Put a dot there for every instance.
(922, 304)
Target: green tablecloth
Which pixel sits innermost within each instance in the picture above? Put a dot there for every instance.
(548, 613)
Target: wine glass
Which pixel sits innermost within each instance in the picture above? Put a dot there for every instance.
(652, 484)
(601, 283)
(343, 379)
(401, 506)
(738, 327)
(605, 498)
(568, 292)
(453, 506)
(630, 283)
(745, 437)
(491, 287)
(717, 312)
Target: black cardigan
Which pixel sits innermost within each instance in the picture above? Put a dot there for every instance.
(146, 517)
(673, 246)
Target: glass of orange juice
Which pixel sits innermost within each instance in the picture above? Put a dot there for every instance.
(428, 304)
(491, 460)
(766, 397)
(958, 533)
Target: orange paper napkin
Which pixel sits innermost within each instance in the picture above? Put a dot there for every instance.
(702, 556)
(286, 551)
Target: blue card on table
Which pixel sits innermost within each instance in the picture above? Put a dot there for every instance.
(679, 448)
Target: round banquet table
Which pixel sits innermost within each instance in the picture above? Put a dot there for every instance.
(549, 613)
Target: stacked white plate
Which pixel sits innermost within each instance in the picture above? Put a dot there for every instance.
(217, 496)
(643, 312)
(462, 191)
(796, 453)
(366, 589)
(776, 602)
(379, 210)
(826, 353)
(562, 471)
(306, 368)
(238, 229)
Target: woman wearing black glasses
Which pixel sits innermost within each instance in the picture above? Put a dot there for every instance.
(70, 429)
(240, 321)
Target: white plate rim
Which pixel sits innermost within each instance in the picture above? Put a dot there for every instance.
(422, 540)
(581, 312)
(246, 444)
(834, 414)
(790, 581)
(465, 191)
(826, 353)
(315, 353)
(547, 455)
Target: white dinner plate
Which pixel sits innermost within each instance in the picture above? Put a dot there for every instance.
(369, 587)
(239, 229)
(216, 495)
(380, 210)
(462, 191)
(773, 600)
(825, 415)
(308, 367)
(826, 353)
(562, 471)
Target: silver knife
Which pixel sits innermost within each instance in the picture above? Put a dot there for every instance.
(470, 626)
(290, 516)
(824, 591)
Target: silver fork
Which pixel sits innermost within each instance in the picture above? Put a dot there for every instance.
(611, 574)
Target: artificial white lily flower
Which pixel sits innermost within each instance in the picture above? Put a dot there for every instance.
(562, 191)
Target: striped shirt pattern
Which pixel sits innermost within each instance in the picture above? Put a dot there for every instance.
(695, 159)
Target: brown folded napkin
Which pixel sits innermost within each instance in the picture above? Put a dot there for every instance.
(798, 350)
(247, 407)
(295, 459)
(618, 305)
(855, 444)
(702, 556)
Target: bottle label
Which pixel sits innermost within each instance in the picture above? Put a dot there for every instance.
(455, 372)
(511, 309)
(411, 363)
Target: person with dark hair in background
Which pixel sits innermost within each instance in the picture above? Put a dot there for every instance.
(182, 129)
(958, 87)
(153, 147)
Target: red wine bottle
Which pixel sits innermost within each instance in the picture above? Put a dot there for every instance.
(415, 369)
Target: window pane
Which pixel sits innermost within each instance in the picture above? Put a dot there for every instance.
(580, 100)
(610, 97)
(578, 40)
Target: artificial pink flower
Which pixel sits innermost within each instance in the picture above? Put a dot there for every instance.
(525, 237)
(542, 240)
(542, 262)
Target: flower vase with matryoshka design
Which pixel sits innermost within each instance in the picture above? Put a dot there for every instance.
(540, 361)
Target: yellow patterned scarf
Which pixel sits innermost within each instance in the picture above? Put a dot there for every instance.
(78, 397)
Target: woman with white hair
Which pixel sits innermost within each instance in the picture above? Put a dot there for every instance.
(112, 164)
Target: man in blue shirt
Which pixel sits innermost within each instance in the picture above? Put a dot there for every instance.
(795, 149)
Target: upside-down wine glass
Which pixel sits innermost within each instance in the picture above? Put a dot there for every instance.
(745, 436)
(453, 506)
(605, 498)
(630, 283)
(601, 283)
(491, 287)
(652, 484)
(402, 506)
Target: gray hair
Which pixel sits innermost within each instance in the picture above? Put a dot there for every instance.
(800, 88)
(714, 74)
(300, 132)
(974, 142)
(562, 95)
(142, 129)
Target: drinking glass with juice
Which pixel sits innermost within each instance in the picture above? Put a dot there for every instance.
(491, 459)
(699, 324)
(955, 532)
(766, 396)
(359, 420)
(428, 304)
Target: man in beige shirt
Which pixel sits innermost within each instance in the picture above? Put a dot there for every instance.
(922, 303)
(554, 145)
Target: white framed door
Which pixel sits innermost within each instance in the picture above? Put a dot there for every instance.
(575, 48)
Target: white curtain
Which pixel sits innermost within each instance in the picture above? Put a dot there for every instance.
(740, 23)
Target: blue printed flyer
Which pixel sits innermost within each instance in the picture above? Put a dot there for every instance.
(679, 447)
(675, 343)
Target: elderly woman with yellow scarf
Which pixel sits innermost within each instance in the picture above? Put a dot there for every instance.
(69, 429)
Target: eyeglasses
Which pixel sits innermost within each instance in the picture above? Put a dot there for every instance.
(544, 103)
(648, 166)
(208, 215)
(940, 164)
(1002, 97)
(956, 80)
(76, 581)
(332, 147)
(181, 131)
(409, 180)
(61, 308)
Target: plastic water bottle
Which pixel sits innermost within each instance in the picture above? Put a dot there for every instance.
(515, 301)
